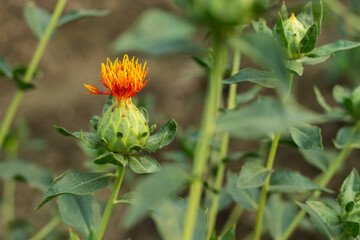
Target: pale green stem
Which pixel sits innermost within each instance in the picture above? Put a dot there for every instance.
(323, 182)
(264, 190)
(111, 202)
(5, 126)
(203, 145)
(47, 229)
(231, 221)
(8, 203)
(223, 152)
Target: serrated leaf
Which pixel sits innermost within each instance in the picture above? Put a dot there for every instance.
(349, 188)
(278, 216)
(5, 69)
(308, 42)
(88, 138)
(295, 67)
(252, 175)
(112, 158)
(36, 18)
(26, 171)
(322, 159)
(347, 135)
(74, 15)
(170, 180)
(127, 198)
(169, 218)
(163, 137)
(143, 164)
(157, 33)
(333, 47)
(288, 181)
(325, 212)
(78, 183)
(329, 232)
(263, 117)
(263, 78)
(80, 212)
(246, 198)
(307, 137)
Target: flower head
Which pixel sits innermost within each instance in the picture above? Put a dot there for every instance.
(121, 79)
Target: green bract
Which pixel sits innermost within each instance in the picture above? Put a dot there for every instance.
(123, 128)
(294, 32)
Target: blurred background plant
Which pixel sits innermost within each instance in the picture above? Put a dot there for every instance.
(176, 90)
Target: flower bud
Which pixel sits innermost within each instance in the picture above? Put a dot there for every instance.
(123, 128)
(294, 31)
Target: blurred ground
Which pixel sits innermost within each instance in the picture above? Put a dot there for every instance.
(72, 58)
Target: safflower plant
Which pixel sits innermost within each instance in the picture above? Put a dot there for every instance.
(122, 138)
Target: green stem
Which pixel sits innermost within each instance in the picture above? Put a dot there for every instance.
(323, 182)
(203, 144)
(233, 218)
(8, 203)
(45, 38)
(269, 166)
(223, 152)
(46, 229)
(111, 202)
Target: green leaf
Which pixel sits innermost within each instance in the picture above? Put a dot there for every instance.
(289, 181)
(307, 44)
(352, 228)
(325, 212)
(334, 47)
(349, 188)
(95, 121)
(340, 94)
(74, 15)
(127, 198)
(329, 232)
(278, 216)
(252, 175)
(80, 212)
(163, 137)
(322, 159)
(263, 117)
(265, 51)
(306, 15)
(248, 96)
(260, 27)
(112, 158)
(169, 218)
(143, 164)
(312, 60)
(26, 171)
(246, 198)
(295, 67)
(347, 135)
(307, 137)
(18, 74)
(279, 31)
(37, 18)
(263, 78)
(283, 11)
(73, 236)
(157, 32)
(321, 100)
(231, 234)
(74, 182)
(5, 69)
(318, 13)
(169, 180)
(88, 138)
